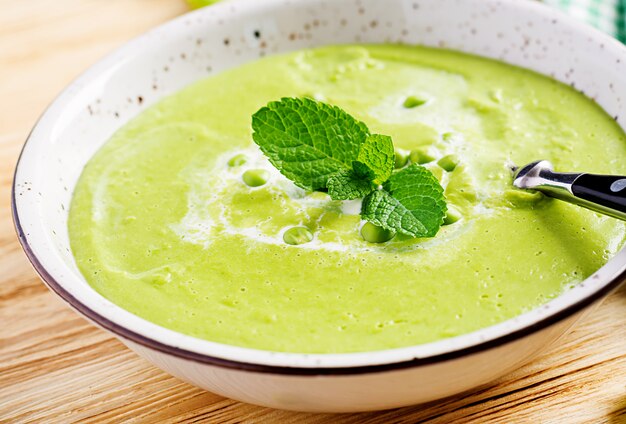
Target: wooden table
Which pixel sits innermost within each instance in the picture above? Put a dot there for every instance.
(55, 367)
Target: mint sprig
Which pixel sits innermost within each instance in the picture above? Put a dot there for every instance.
(322, 148)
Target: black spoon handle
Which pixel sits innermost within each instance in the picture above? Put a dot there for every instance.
(605, 190)
(601, 193)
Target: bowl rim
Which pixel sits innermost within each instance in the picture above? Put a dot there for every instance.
(550, 318)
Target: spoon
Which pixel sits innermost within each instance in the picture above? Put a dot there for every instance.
(605, 194)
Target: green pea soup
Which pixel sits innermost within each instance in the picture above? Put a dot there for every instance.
(181, 220)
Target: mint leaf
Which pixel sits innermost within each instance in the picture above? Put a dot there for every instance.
(411, 202)
(308, 141)
(348, 185)
(377, 155)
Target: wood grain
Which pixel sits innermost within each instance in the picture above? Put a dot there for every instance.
(55, 367)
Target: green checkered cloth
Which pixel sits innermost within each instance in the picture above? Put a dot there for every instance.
(606, 15)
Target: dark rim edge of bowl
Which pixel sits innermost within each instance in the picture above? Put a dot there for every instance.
(132, 336)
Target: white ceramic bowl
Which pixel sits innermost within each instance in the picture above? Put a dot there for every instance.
(219, 37)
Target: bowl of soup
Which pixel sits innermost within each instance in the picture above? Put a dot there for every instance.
(143, 202)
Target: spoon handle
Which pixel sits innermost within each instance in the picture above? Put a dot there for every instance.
(605, 194)
(606, 190)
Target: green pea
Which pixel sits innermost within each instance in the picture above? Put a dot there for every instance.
(452, 216)
(448, 162)
(237, 160)
(496, 95)
(129, 219)
(435, 170)
(400, 159)
(255, 177)
(421, 156)
(447, 136)
(375, 234)
(297, 235)
(412, 101)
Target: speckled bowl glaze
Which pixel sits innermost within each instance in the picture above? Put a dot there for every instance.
(213, 39)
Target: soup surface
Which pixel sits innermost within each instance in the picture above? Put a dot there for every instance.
(163, 225)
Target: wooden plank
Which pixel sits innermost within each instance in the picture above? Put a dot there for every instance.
(55, 367)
